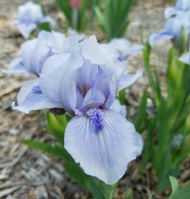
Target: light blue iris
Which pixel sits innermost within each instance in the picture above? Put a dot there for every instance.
(173, 29)
(29, 15)
(85, 82)
(125, 48)
(181, 6)
(35, 52)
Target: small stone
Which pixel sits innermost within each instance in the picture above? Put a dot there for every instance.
(41, 192)
(13, 132)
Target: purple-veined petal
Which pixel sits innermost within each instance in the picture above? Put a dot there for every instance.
(31, 98)
(159, 36)
(116, 106)
(185, 58)
(106, 153)
(126, 80)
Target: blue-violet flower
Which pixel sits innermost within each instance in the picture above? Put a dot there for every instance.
(29, 15)
(85, 82)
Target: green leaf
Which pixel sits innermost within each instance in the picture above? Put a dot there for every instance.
(177, 193)
(65, 8)
(141, 114)
(44, 26)
(76, 173)
(184, 192)
(162, 156)
(148, 145)
(57, 126)
(56, 150)
(175, 186)
(99, 189)
(129, 194)
(122, 97)
(112, 17)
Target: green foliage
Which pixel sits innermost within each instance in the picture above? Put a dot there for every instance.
(122, 96)
(112, 17)
(129, 194)
(99, 189)
(169, 121)
(153, 79)
(57, 125)
(55, 150)
(141, 114)
(44, 26)
(177, 193)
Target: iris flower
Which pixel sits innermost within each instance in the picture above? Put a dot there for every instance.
(35, 52)
(85, 82)
(181, 6)
(125, 48)
(29, 15)
(174, 29)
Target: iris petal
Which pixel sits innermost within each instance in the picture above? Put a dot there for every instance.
(28, 99)
(16, 66)
(159, 36)
(104, 154)
(126, 80)
(26, 29)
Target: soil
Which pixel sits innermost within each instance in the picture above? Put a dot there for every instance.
(29, 174)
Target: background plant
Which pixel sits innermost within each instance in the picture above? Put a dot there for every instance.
(171, 119)
(112, 17)
(85, 13)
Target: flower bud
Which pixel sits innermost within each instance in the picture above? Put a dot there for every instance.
(75, 4)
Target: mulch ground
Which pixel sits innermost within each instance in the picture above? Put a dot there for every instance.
(29, 174)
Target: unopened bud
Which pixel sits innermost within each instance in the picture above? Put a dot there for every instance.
(75, 4)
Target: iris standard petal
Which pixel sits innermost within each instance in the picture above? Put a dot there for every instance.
(126, 80)
(51, 75)
(27, 49)
(31, 98)
(98, 54)
(159, 36)
(59, 68)
(106, 153)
